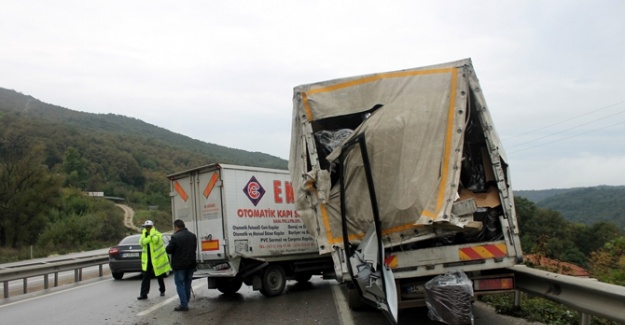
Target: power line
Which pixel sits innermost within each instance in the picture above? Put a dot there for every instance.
(572, 136)
(566, 120)
(565, 130)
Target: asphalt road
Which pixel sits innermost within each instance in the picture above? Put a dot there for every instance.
(108, 301)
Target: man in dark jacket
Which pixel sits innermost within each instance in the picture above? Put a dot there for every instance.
(182, 247)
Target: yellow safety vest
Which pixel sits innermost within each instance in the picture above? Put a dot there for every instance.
(160, 260)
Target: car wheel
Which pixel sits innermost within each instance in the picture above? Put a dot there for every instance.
(118, 275)
(274, 281)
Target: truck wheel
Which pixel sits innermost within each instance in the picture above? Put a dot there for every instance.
(303, 277)
(117, 275)
(274, 281)
(229, 286)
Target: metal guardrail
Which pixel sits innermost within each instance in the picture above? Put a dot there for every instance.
(588, 296)
(76, 264)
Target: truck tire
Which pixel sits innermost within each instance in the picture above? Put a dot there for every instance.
(117, 275)
(274, 281)
(229, 286)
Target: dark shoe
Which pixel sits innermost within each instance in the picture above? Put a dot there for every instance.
(180, 308)
(142, 297)
(162, 294)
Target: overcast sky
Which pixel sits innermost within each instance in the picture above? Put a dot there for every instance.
(552, 72)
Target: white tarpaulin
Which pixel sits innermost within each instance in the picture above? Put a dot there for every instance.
(414, 124)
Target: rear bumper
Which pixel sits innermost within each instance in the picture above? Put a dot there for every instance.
(121, 266)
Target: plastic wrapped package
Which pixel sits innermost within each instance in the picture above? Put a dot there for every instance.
(330, 139)
(448, 298)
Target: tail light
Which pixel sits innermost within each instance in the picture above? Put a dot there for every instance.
(493, 284)
(113, 251)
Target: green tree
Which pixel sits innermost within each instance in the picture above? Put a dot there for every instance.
(543, 231)
(608, 263)
(76, 169)
(27, 191)
(599, 234)
(526, 211)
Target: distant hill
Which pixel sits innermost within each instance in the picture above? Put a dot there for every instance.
(107, 152)
(586, 205)
(97, 124)
(539, 195)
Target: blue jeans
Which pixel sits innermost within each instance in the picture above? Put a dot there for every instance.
(182, 279)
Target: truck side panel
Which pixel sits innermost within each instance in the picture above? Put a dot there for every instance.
(261, 218)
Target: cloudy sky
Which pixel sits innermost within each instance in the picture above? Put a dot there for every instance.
(553, 72)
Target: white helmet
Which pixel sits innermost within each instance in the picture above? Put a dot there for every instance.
(148, 223)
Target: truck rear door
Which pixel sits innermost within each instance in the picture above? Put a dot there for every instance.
(197, 200)
(210, 221)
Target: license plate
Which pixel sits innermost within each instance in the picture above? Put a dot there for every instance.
(130, 255)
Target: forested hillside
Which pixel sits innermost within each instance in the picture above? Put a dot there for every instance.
(109, 153)
(539, 195)
(586, 205)
(49, 153)
(98, 128)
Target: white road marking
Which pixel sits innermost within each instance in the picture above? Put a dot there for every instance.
(345, 315)
(165, 302)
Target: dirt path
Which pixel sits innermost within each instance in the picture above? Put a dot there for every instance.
(128, 217)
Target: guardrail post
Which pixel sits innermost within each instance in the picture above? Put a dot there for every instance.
(25, 285)
(100, 269)
(75, 275)
(45, 281)
(585, 319)
(56, 279)
(6, 289)
(517, 299)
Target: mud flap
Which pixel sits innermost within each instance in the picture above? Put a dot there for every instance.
(373, 279)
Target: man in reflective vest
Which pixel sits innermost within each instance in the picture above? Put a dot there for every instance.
(154, 259)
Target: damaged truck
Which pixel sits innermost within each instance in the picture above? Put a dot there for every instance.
(401, 177)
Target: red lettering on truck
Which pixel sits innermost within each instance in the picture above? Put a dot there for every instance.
(279, 196)
(277, 191)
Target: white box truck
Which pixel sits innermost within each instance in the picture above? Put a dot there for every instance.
(247, 227)
(400, 176)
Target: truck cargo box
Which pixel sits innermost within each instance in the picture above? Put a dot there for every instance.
(245, 220)
(413, 155)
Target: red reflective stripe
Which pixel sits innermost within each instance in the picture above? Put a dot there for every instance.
(391, 261)
(210, 185)
(493, 249)
(483, 251)
(472, 254)
(180, 191)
